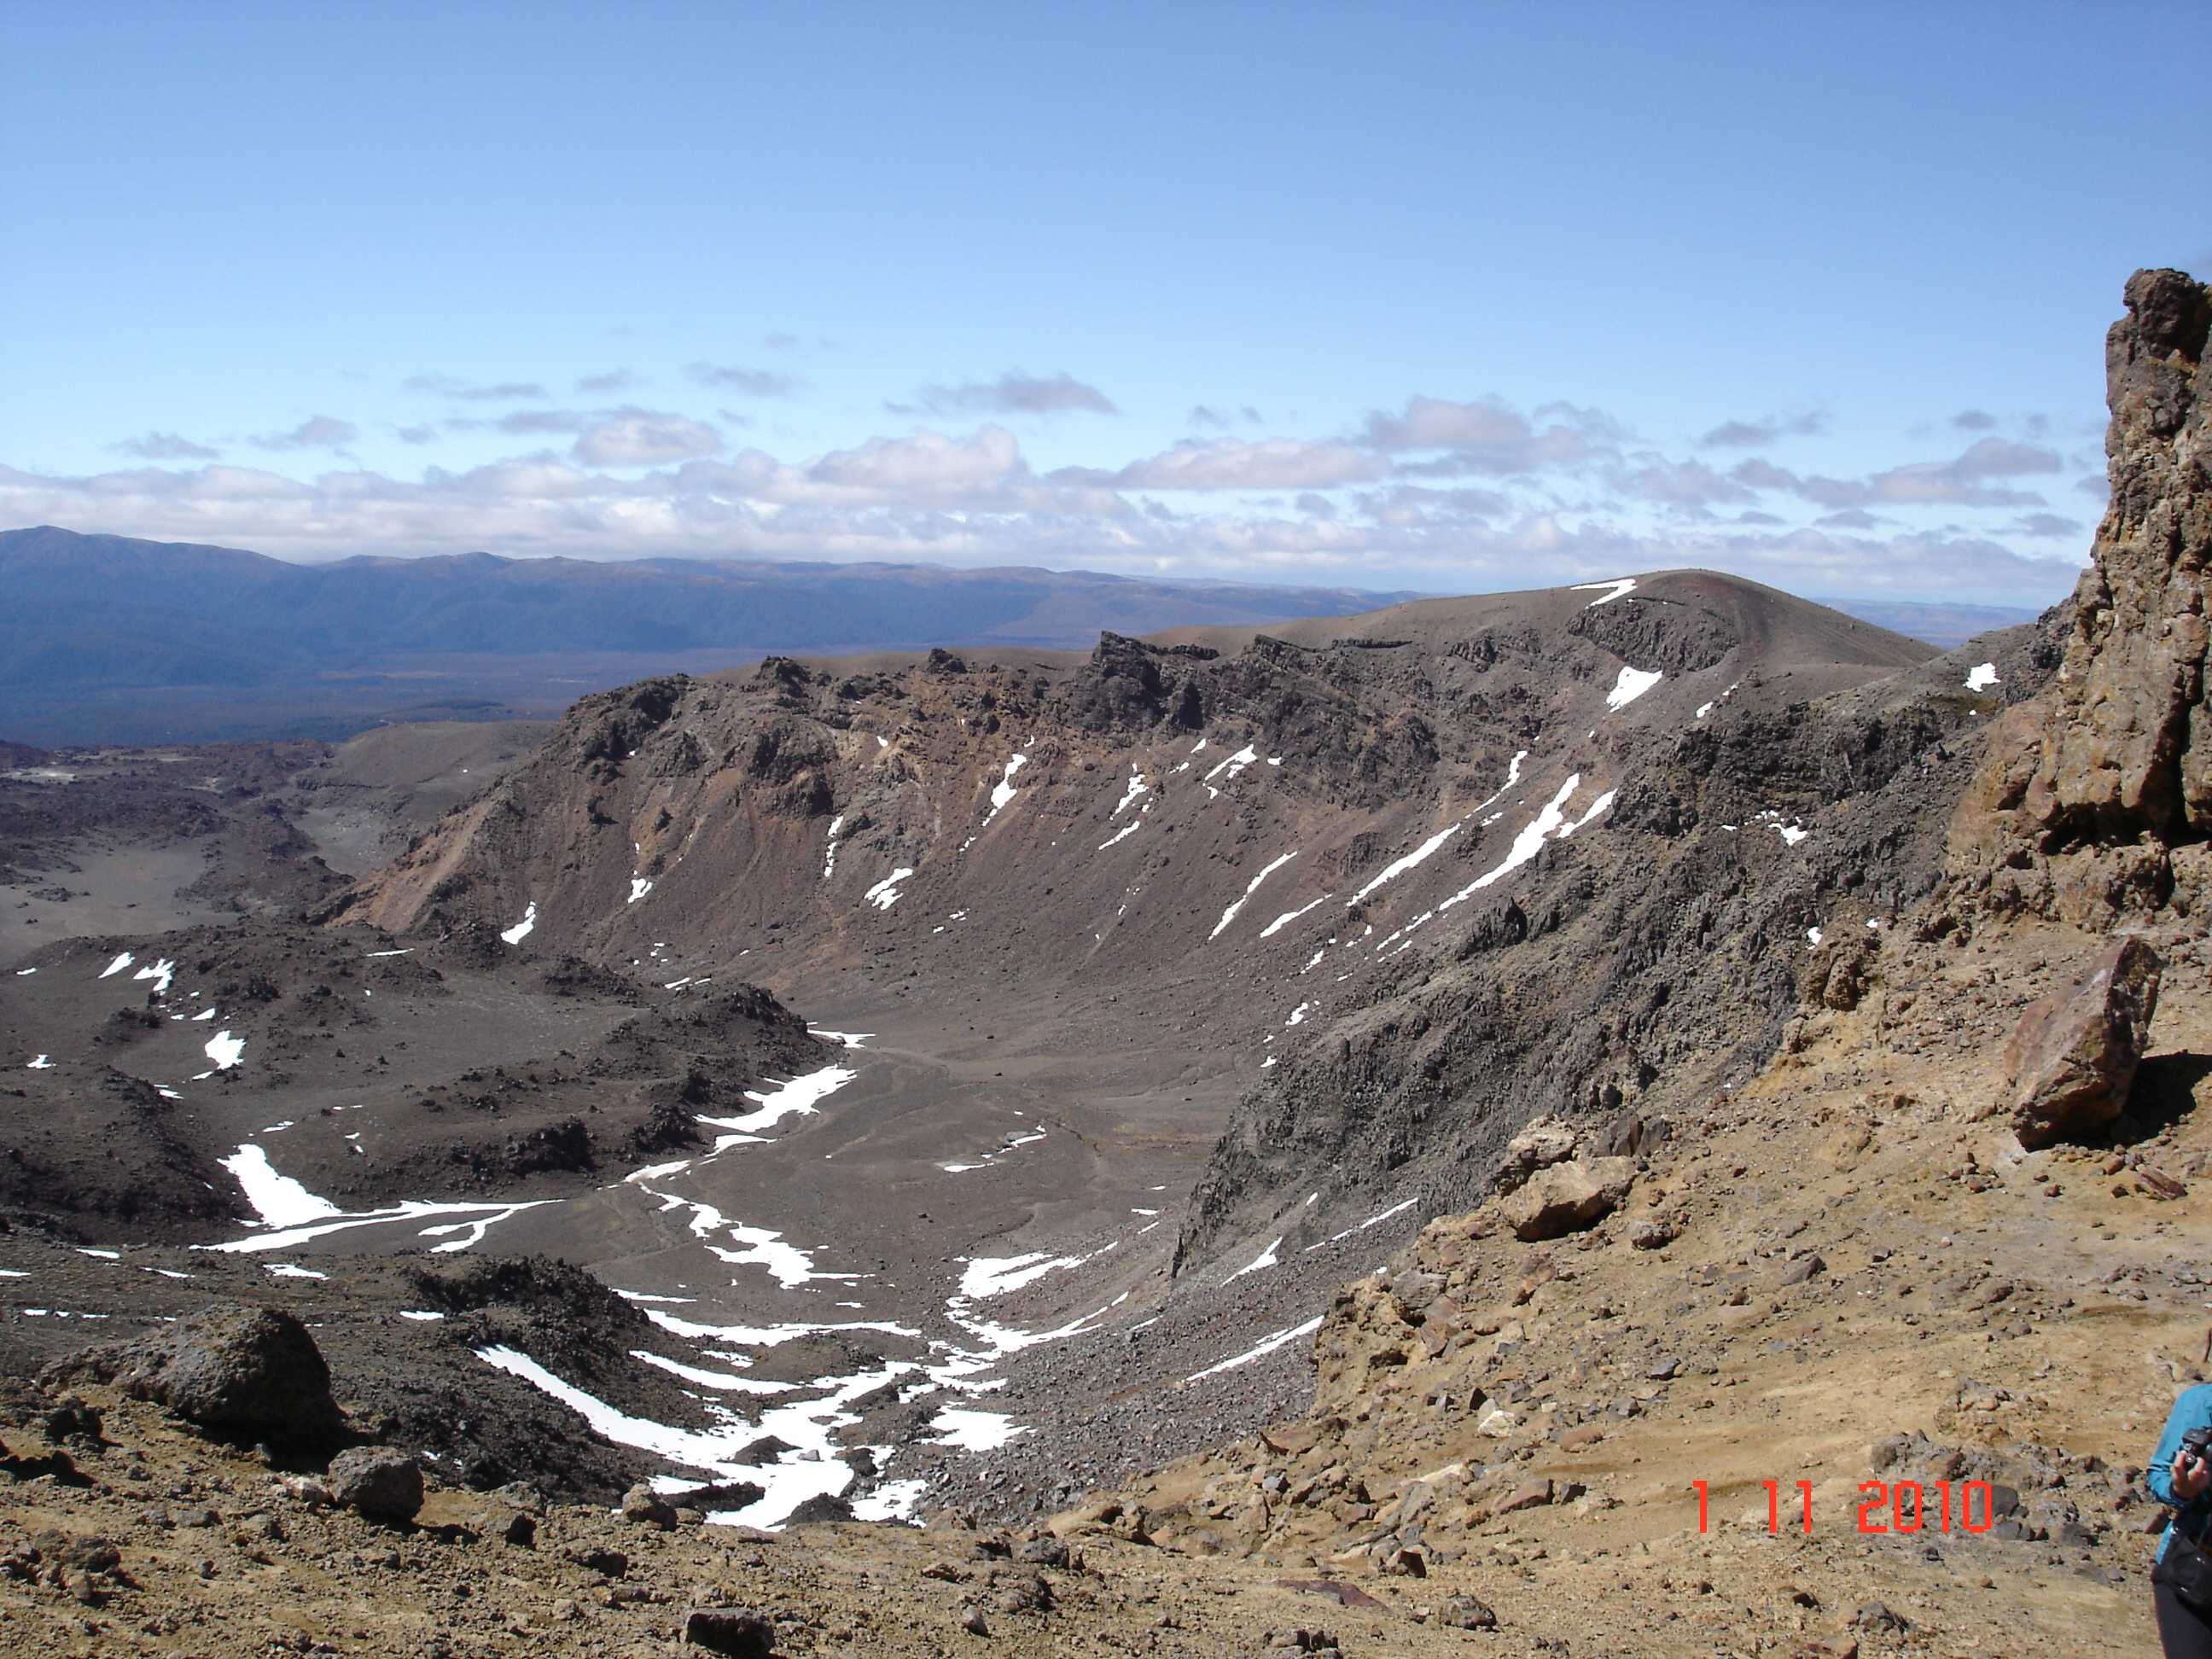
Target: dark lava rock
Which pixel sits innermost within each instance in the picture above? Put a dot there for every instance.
(737, 1631)
(823, 1506)
(376, 1482)
(250, 1372)
(595, 1558)
(719, 1497)
(2073, 1057)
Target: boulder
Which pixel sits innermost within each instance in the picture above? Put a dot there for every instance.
(1568, 1197)
(252, 1373)
(2073, 1056)
(376, 1482)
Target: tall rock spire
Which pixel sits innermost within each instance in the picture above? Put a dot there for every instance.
(2096, 792)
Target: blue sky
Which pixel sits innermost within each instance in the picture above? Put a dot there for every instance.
(1451, 297)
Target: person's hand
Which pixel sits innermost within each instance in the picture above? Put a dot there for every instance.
(2192, 1475)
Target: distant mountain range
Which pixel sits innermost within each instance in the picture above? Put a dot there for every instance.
(112, 639)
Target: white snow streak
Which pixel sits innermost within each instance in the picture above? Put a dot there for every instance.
(1619, 587)
(1234, 764)
(1267, 1344)
(520, 931)
(1250, 888)
(1290, 916)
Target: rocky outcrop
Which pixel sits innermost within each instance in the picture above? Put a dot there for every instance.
(2096, 804)
(2071, 1060)
(252, 1373)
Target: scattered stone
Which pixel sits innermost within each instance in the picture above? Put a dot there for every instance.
(1465, 1612)
(593, 1558)
(1044, 1551)
(1805, 1268)
(1533, 1494)
(641, 1506)
(1654, 1235)
(1875, 1616)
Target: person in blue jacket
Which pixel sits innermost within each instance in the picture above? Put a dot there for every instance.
(2182, 1483)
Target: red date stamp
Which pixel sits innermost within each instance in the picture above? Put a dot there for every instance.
(1885, 1506)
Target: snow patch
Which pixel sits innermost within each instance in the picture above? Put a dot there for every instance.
(116, 966)
(973, 1430)
(278, 1199)
(987, 1276)
(1002, 791)
(1267, 1258)
(1632, 683)
(520, 931)
(1982, 676)
(225, 1050)
(885, 893)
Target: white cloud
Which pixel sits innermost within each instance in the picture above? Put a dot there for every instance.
(316, 432)
(1015, 393)
(1261, 464)
(165, 446)
(645, 440)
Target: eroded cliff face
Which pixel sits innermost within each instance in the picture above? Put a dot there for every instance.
(2097, 799)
